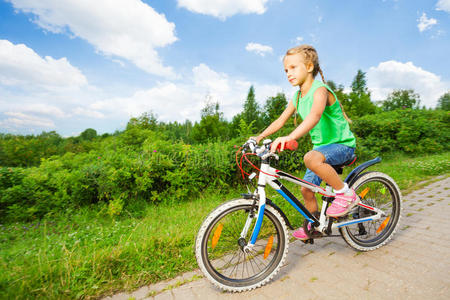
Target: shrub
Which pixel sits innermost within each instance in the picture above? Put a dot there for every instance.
(141, 164)
(407, 130)
(154, 169)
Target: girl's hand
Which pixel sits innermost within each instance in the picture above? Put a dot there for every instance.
(256, 138)
(282, 141)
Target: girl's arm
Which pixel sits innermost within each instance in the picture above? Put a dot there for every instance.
(278, 123)
(311, 120)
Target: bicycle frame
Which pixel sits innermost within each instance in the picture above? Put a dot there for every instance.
(269, 176)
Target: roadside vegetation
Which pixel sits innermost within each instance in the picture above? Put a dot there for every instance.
(85, 216)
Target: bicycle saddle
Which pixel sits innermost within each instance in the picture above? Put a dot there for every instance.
(339, 168)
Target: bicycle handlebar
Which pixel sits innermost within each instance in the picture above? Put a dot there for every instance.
(291, 145)
(264, 150)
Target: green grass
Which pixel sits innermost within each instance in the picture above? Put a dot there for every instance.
(85, 254)
(88, 254)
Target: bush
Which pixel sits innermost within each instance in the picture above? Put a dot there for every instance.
(154, 169)
(141, 164)
(407, 130)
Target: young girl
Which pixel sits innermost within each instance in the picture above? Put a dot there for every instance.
(324, 119)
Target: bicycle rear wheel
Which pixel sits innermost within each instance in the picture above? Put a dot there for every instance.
(378, 190)
(220, 248)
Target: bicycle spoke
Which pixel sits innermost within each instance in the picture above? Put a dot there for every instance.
(377, 192)
(227, 261)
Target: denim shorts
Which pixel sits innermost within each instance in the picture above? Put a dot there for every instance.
(335, 154)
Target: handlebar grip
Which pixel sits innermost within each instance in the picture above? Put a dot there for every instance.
(291, 145)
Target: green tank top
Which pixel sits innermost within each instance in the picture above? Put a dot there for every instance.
(332, 128)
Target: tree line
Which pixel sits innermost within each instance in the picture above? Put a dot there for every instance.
(28, 150)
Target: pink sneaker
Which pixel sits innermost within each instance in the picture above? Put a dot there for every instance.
(301, 234)
(342, 204)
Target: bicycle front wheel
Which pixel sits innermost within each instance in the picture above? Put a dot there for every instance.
(377, 190)
(220, 250)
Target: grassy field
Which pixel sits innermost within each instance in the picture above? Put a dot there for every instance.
(86, 254)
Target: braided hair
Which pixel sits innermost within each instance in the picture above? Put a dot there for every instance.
(310, 54)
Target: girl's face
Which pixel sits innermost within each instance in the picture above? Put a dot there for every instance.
(296, 69)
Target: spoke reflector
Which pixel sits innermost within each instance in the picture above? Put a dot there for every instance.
(216, 235)
(268, 247)
(364, 193)
(383, 224)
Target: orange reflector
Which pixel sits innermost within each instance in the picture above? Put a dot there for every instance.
(268, 247)
(216, 235)
(364, 193)
(383, 225)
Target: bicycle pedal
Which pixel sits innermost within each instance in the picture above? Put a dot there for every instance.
(308, 241)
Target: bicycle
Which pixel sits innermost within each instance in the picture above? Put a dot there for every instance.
(243, 243)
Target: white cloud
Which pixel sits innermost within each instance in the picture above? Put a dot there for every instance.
(443, 5)
(223, 9)
(181, 101)
(258, 48)
(21, 120)
(20, 65)
(44, 110)
(390, 75)
(211, 82)
(299, 39)
(85, 112)
(425, 23)
(170, 100)
(128, 29)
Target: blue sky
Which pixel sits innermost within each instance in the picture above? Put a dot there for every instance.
(68, 65)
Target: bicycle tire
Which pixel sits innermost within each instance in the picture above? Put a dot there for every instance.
(379, 190)
(217, 261)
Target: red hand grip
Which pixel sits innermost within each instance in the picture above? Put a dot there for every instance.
(291, 145)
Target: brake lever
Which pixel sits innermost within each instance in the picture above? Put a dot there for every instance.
(270, 154)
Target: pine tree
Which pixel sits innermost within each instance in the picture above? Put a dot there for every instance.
(212, 124)
(444, 102)
(251, 110)
(359, 103)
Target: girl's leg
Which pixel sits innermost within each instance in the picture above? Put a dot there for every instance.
(310, 200)
(311, 206)
(315, 161)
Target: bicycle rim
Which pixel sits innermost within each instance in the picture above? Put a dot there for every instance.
(379, 192)
(222, 247)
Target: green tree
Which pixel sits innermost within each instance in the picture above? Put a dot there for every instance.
(401, 99)
(148, 120)
(212, 124)
(359, 83)
(358, 102)
(273, 108)
(251, 114)
(251, 110)
(235, 125)
(88, 135)
(339, 92)
(444, 102)
(177, 131)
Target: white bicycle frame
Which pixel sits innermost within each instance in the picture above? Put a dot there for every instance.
(269, 176)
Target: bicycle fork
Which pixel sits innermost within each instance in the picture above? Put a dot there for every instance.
(261, 194)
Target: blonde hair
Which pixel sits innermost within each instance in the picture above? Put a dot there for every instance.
(311, 56)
